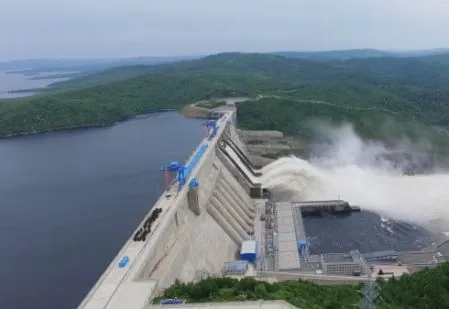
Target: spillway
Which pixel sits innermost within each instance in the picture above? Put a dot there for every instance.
(202, 219)
(236, 158)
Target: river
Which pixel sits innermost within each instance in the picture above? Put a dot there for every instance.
(70, 200)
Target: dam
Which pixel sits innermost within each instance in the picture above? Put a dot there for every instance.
(198, 224)
(213, 214)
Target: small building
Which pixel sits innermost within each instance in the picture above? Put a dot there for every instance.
(248, 251)
(343, 264)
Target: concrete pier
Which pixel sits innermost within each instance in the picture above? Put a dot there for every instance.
(316, 208)
(192, 197)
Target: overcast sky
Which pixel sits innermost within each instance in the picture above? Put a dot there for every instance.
(118, 28)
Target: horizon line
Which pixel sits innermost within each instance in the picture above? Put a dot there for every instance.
(95, 58)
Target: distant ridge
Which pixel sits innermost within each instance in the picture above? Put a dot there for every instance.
(83, 65)
(358, 54)
(92, 64)
(336, 54)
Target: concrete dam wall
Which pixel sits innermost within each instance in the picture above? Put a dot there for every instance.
(202, 220)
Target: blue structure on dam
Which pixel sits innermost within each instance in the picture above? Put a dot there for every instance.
(302, 246)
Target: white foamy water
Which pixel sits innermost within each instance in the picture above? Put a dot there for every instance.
(358, 172)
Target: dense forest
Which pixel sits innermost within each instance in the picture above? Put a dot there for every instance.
(109, 103)
(426, 289)
(302, 294)
(369, 92)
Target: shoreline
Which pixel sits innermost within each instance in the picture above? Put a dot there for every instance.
(87, 126)
(28, 90)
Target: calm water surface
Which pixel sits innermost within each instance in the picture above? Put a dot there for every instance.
(16, 81)
(70, 200)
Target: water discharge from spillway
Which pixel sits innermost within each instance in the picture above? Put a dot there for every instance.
(363, 174)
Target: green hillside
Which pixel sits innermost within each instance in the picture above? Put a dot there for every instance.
(412, 92)
(105, 104)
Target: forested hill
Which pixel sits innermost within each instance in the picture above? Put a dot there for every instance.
(358, 53)
(377, 70)
(409, 90)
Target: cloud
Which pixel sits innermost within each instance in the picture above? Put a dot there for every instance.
(84, 28)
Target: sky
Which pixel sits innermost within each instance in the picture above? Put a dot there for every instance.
(118, 28)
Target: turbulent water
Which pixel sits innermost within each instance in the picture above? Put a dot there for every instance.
(364, 174)
(365, 231)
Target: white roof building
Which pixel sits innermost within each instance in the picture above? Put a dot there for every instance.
(248, 246)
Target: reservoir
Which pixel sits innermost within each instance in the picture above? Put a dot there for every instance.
(70, 200)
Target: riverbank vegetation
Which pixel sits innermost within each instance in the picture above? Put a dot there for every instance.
(302, 294)
(410, 93)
